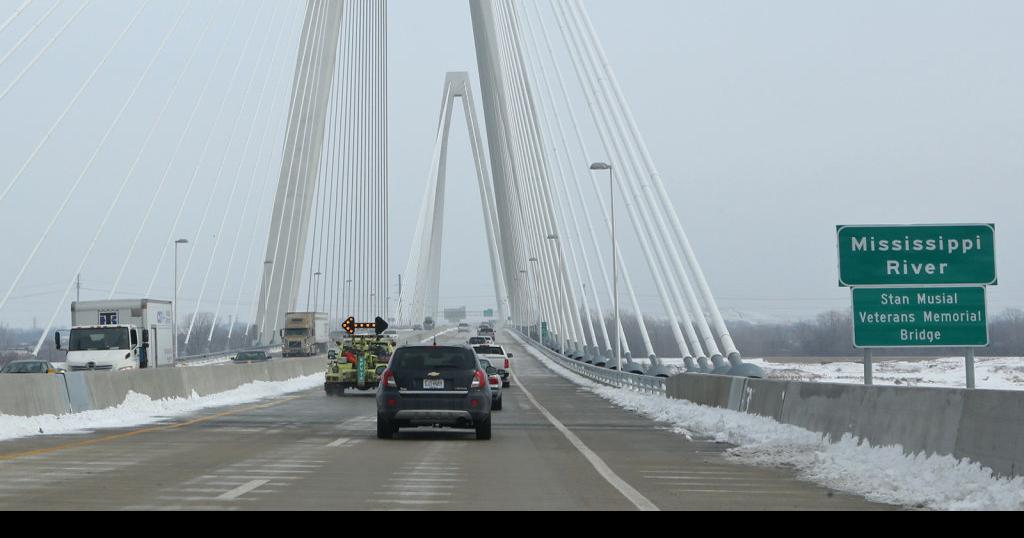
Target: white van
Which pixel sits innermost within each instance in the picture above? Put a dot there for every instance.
(119, 335)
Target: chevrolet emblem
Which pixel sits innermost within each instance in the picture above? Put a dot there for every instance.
(433, 374)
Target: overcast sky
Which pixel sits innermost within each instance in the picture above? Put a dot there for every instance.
(772, 122)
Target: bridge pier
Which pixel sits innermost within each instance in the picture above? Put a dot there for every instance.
(742, 369)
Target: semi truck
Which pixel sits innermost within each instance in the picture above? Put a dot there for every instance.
(119, 335)
(305, 334)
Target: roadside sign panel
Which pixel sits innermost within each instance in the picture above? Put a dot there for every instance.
(920, 317)
(932, 255)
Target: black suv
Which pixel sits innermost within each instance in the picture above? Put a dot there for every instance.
(434, 387)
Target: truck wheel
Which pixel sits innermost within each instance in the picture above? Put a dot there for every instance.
(385, 429)
(497, 404)
(483, 430)
(506, 384)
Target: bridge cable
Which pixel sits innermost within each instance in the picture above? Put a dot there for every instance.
(177, 150)
(672, 267)
(641, 219)
(666, 204)
(284, 86)
(640, 223)
(527, 139)
(199, 165)
(318, 29)
(124, 183)
(568, 205)
(550, 152)
(254, 179)
(71, 192)
(238, 172)
(14, 15)
(30, 31)
(300, 99)
(46, 48)
(570, 45)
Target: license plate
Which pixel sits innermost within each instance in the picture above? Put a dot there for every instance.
(433, 384)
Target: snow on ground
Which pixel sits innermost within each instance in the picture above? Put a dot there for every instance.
(138, 410)
(880, 474)
(991, 373)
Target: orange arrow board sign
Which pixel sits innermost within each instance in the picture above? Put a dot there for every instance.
(350, 326)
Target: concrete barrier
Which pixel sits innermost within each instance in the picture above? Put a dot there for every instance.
(74, 392)
(986, 427)
(32, 395)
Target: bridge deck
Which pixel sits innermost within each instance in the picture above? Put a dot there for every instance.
(313, 452)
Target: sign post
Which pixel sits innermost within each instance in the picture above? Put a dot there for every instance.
(918, 287)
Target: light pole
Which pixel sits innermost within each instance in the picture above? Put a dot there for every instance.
(174, 307)
(535, 302)
(561, 292)
(596, 167)
(263, 296)
(316, 289)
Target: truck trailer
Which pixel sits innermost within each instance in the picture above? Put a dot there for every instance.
(120, 335)
(305, 334)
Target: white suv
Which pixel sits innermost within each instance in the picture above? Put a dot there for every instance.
(499, 359)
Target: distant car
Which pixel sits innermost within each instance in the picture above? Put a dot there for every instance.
(495, 381)
(501, 360)
(464, 328)
(417, 327)
(30, 367)
(250, 357)
(485, 331)
(433, 386)
(478, 341)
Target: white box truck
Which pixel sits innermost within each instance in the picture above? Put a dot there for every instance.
(305, 334)
(120, 335)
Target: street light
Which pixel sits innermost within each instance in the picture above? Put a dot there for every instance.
(599, 167)
(561, 292)
(174, 307)
(316, 289)
(264, 296)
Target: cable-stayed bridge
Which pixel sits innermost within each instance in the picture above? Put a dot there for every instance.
(247, 175)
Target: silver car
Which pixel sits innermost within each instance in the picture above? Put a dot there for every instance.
(495, 381)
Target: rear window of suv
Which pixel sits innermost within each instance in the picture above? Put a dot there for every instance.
(432, 358)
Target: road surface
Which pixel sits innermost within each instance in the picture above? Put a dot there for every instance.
(555, 447)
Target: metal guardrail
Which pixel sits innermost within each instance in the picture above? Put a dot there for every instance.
(221, 355)
(613, 378)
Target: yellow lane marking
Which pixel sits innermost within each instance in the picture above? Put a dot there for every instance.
(119, 436)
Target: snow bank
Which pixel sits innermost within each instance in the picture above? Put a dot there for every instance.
(138, 410)
(1005, 373)
(880, 474)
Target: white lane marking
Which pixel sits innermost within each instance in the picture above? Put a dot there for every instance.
(424, 480)
(339, 442)
(417, 493)
(408, 503)
(629, 492)
(707, 476)
(242, 490)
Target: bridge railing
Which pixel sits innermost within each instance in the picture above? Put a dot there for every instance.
(220, 356)
(613, 378)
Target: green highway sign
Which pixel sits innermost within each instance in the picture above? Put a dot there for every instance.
(920, 317)
(488, 313)
(922, 255)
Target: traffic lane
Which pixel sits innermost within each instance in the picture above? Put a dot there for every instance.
(673, 472)
(187, 464)
(528, 465)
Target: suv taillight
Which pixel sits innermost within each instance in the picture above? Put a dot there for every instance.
(479, 380)
(388, 380)
(508, 365)
(495, 381)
